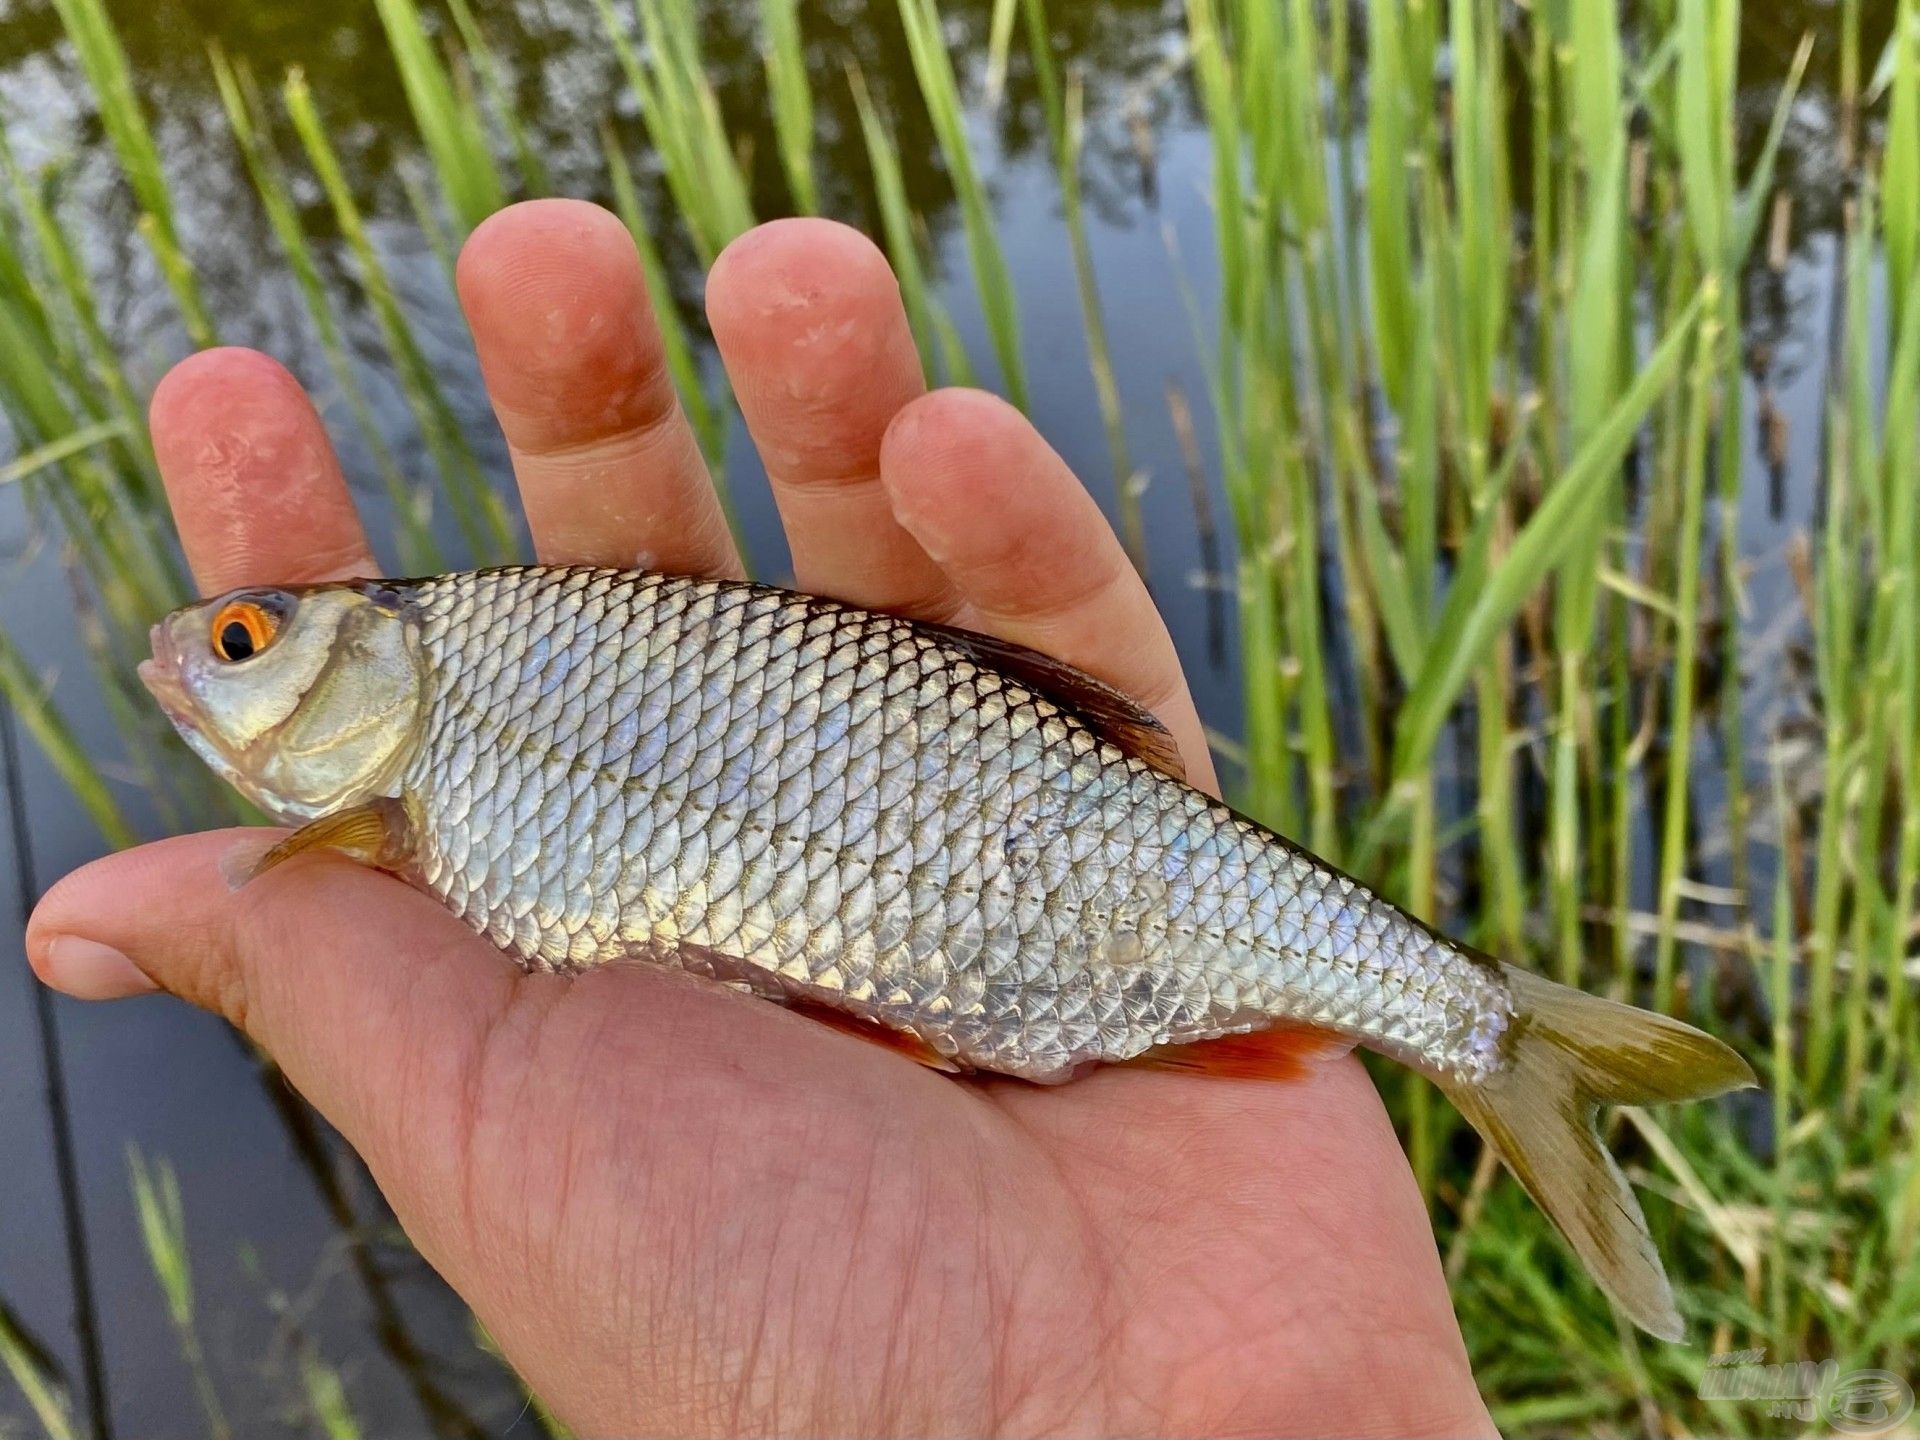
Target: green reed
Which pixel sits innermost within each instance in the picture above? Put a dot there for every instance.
(326, 1396)
(501, 106)
(163, 1230)
(786, 64)
(1550, 579)
(476, 504)
(683, 120)
(942, 355)
(1066, 128)
(98, 49)
(449, 122)
(1482, 491)
(992, 280)
(33, 1376)
(709, 420)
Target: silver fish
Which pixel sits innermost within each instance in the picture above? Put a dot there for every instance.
(951, 839)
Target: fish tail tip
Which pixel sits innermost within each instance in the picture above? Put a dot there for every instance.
(1571, 1053)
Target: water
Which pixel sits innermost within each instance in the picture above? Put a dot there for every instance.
(291, 1248)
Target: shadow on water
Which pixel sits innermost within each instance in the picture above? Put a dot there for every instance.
(274, 1201)
(324, 1158)
(53, 1080)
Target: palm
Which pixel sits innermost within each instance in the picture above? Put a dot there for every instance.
(681, 1210)
(836, 1242)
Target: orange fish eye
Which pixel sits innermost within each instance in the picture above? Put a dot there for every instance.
(243, 628)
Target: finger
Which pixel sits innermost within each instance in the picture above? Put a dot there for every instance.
(1030, 553)
(808, 319)
(359, 987)
(255, 487)
(609, 470)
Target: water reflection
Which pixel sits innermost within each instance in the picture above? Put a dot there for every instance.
(565, 82)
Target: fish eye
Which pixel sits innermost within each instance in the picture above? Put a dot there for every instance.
(243, 628)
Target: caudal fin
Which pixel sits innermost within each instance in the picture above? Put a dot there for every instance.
(1572, 1053)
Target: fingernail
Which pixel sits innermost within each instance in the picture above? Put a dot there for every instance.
(88, 970)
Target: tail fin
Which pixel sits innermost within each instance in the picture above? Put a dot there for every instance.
(1573, 1052)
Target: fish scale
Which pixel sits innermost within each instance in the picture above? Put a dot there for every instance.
(828, 804)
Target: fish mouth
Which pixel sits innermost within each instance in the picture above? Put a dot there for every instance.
(165, 679)
(161, 675)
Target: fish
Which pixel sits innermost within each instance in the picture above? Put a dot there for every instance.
(943, 841)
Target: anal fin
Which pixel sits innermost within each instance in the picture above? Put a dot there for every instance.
(375, 833)
(1284, 1052)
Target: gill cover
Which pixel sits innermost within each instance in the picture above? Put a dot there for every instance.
(307, 700)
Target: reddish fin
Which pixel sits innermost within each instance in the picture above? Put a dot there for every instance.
(1116, 718)
(375, 833)
(901, 1042)
(1286, 1052)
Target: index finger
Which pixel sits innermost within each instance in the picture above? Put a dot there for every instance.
(255, 487)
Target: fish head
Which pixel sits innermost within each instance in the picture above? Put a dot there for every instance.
(306, 699)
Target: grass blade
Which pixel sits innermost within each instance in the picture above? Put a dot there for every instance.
(1470, 626)
(454, 136)
(934, 68)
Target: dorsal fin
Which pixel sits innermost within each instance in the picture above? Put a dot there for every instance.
(1116, 718)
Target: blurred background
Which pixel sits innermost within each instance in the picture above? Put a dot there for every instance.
(1512, 406)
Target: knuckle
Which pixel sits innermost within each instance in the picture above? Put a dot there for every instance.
(637, 408)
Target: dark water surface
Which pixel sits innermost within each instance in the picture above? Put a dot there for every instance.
(292, 1252)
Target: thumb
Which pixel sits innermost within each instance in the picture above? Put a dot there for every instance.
(374, 1001)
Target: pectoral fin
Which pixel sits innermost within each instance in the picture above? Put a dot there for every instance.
(375, 833)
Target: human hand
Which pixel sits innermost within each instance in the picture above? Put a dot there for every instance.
(683, 1211)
